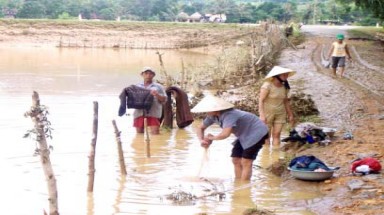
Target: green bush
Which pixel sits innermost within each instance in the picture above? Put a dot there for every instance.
(65, 15)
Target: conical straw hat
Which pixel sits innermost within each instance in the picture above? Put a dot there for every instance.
(211, 103)
(277, 70)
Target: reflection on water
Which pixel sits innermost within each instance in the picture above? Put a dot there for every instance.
(83, 71)
(68, 82)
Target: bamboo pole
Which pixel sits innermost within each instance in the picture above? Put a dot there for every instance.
(147, 140)
(39, 120)
(91, 164)
(168, 79)
(123, 169)
(182, 81)
(90, 204)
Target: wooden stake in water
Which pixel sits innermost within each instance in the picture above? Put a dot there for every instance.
(40, 121)
(147, 140)
(92, 153)
(123, 170)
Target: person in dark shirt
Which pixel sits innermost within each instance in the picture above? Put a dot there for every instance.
(154, 114)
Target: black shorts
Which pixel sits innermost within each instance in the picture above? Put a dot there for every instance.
(338, 62)
(251, 152)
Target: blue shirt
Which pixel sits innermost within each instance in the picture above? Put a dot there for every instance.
(247, 127)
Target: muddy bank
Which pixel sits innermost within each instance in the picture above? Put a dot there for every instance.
(103, 34)
(351, 104)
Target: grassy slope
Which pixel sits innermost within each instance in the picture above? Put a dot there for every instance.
(365, 32)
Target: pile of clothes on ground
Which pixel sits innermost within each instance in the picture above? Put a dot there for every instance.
(366, 165)
(307, 132)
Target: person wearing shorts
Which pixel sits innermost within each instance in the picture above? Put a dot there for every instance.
(249, 130)
(154, 114)
(338, 52)
(274, 106)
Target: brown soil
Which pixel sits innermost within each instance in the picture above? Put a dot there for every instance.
(94, 34)
(351, 104)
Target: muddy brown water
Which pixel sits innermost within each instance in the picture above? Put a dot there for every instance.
(68, 82)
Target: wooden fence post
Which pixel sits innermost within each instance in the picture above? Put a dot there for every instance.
(39, 119)
(147, 140)
(123, 169)
(91, 164)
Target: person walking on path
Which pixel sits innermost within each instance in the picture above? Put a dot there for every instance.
(249, 130)
(338, 52)
(156, 110)
(274, 106)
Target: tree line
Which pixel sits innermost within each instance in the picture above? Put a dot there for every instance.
(364, 12)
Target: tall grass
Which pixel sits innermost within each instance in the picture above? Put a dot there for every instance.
(365, 32)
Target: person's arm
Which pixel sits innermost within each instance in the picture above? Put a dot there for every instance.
(159, 97)
(288, 108)
(263, 95)
(200, 134)
(348, 53)
(226, 132)
(159, 94)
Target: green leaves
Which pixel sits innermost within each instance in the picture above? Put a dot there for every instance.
(374, 6)
(243, 11)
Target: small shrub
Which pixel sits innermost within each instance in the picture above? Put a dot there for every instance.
(257, 211)
(65, 15)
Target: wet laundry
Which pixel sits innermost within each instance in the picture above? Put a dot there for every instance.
(306, 133)
(308, 163)
(135, 97)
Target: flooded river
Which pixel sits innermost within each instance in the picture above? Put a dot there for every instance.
(68, 82)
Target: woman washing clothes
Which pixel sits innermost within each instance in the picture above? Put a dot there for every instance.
(249, 131)
(274, 107)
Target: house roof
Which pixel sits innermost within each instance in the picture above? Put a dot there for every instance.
(196, 15)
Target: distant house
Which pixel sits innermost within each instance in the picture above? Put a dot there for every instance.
(195, 17)
(182, 17)
(9, 13)
(218, 18)
(331, 22)
(215, 18)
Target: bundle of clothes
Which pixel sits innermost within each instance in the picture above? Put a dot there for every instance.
(366, 165)
(308, 163)
(135, 97)
(306, 132)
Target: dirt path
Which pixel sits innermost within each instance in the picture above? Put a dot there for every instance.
(353, 103)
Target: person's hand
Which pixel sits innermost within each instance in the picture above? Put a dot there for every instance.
(154, 93)
(205, 143)
(209, 136)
